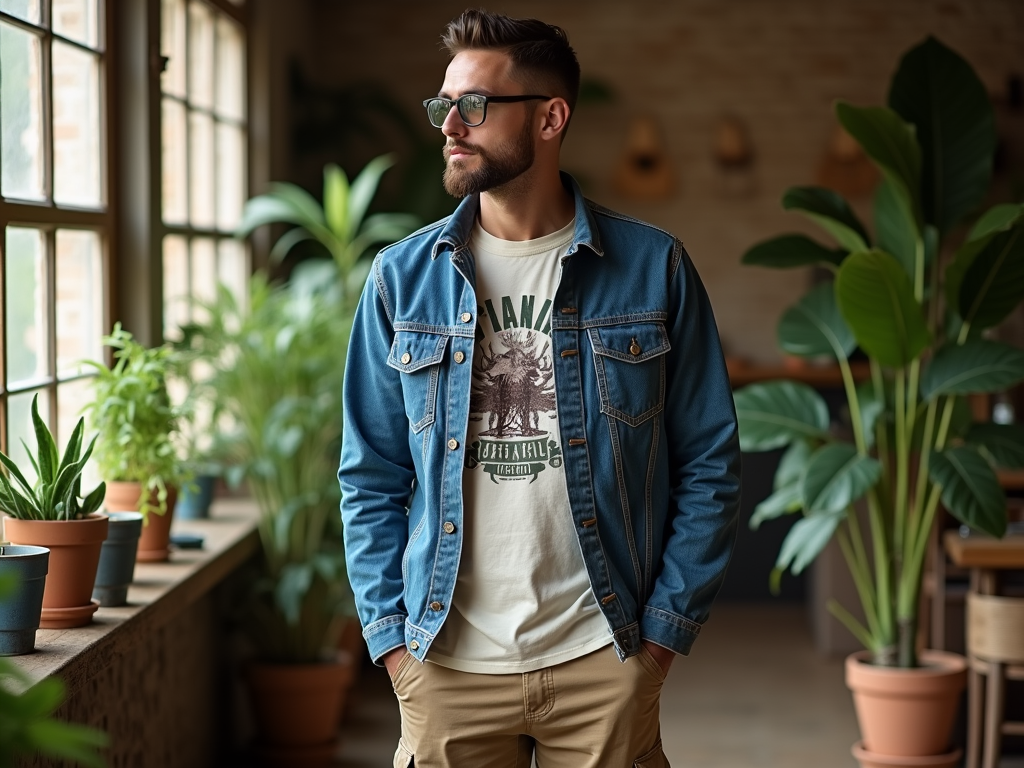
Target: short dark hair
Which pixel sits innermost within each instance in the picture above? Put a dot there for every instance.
(540, 52)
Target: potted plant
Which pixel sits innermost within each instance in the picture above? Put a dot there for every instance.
(117, 559)
(136, 421)
(275, 387)
(27, 726)
(21, 607)
(916, 300)
(51, 513)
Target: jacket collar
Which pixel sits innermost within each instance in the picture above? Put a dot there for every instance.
(458, 230)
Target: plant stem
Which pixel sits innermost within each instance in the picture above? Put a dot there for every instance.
(854, 403)
(858, 565)
(901, 464)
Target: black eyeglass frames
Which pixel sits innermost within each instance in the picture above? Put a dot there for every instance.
(472, 107)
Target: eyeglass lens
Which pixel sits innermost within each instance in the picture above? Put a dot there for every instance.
(471, 109)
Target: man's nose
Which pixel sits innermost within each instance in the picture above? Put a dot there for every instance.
(453, 125)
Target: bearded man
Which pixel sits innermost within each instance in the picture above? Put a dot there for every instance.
(528, 564)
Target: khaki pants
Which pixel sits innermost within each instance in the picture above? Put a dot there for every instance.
(591, 712)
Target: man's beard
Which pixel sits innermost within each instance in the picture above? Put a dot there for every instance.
(497, 167)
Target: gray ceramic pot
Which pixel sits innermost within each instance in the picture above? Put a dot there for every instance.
(19, 614)
(195, 498)
(117, 559)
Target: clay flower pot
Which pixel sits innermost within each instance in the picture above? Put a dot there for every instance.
(907, 713)
(20, 612)
(154, 543)
(297, 708)
(117, 559)
(74, 556)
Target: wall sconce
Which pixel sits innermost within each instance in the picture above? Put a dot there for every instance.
(734, 157)
(643, 171)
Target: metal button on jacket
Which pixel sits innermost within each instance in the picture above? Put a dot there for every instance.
(460, 356)
(453, 443)
(466, 317)
(415, 646)
(449, 526)
(436, 606)
(406, 358)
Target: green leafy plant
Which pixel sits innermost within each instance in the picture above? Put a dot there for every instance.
(916, 306)
(57, 491)
(341, 225)
(135, 419)
(27, 725)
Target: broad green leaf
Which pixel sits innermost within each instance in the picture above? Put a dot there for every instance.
(774, 414)
(304, 204)
(1004, 443)
(76, 743)
(268, 209)
(781, 502)
(336, 202)
(829, 210)
(935, 90)
(792, 464)
(953, 279)
(287, 241)
(365, 186)
(789, 251)
(978, 365)
(95, 498)
(47, 448)
(970, 489)
(292, 585)
(814, 326)
(383, 228)
(895, 227)
(997, 217)
(806, 539)
(836, 477)
(876, 298)
(993, 284)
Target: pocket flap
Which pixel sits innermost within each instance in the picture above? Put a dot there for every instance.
(412, 350)
(630, 343)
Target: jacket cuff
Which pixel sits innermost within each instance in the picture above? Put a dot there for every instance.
(677, 633)
(384, 635)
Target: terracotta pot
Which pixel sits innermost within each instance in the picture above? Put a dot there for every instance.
(907, 712)
(872, 760)
(154, 544)
(74, 555)
(297, 708)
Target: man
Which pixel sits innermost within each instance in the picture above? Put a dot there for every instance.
(540, 459)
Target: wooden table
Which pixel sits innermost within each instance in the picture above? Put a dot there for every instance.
(985, 557)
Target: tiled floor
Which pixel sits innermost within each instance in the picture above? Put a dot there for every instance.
(753, 694)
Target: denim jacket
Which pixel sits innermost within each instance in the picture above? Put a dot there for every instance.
(645, 413)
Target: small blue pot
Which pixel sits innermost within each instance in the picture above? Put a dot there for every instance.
(117, 559)
(19, 614)
(195, 498)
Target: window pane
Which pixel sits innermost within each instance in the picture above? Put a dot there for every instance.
(19, 428)
(72, 397)
(230, 69)
(231, 176)
(26, 307)
(176, 300)
(23, 9)
(21, 110)
(200, 55)
(79, 300)
(233, 268)
(175, 163)
(200, 182)
(172, 45)
(76, 19)
(204, 273)
(76, 126)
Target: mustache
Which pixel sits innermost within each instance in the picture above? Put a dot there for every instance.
(461, 145)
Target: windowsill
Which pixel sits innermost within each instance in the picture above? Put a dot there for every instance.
(158, 594)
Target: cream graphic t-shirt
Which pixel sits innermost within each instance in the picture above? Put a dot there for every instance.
(523, 599)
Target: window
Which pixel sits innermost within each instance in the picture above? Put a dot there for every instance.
(54, 217)
(204, 138)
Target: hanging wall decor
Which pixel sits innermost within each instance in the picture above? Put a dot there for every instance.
(644, 171)
(734, 158)
(845, 168)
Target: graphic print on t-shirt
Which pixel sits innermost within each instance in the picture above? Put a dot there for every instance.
(513, 395)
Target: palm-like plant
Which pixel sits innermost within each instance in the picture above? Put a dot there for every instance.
(918, 314)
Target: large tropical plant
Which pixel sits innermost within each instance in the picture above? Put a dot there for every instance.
(916, 300)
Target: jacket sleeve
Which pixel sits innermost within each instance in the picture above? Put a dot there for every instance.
(376, 473)
(704, 467)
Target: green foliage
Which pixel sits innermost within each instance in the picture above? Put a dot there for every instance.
(135, 419)
(57, 492)
(27, 726)
(917, 316)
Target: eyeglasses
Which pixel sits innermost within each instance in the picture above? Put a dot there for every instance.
(472, 107)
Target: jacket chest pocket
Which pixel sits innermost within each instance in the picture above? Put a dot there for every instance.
(418, 356)
(630, 362)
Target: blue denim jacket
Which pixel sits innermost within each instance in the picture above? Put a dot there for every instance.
(649, 436)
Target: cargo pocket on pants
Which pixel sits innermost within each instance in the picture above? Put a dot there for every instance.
(653, 759)
(405, 759)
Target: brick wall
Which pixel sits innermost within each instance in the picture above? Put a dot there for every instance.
(776, 64)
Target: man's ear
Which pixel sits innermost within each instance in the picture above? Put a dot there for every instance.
(554, 116)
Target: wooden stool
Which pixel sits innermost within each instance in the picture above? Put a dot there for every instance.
(995, 648)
